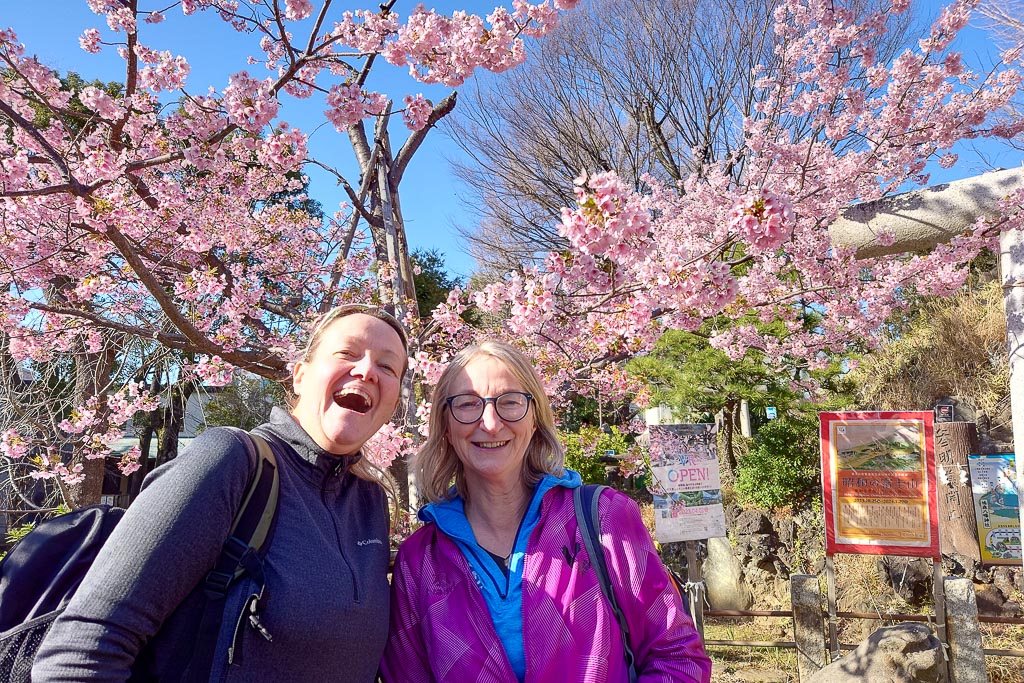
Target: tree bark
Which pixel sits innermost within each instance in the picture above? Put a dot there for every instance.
(92, 375)
(958, 529)
(171, 421)
(728, 455)
(145, 429)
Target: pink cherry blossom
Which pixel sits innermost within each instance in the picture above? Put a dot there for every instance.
(90, 41)
(178, 221)
(297, 10)
(417, 111)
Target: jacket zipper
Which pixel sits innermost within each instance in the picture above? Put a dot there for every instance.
(334, 473)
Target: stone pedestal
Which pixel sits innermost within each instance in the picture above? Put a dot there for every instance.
(967, 661)
(808, 626)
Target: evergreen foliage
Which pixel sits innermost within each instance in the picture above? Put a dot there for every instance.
(782, 468)
(584, 449)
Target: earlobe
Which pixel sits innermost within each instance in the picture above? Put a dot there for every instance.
(297, 372)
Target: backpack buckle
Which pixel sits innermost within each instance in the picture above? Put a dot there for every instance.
(217, 583)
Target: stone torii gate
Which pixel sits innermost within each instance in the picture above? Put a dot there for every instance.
(924, 218)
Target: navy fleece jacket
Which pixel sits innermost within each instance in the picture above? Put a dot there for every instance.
(327, 590)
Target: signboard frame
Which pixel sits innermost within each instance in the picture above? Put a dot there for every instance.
(685, 483)
(884, 487)
(985, 469)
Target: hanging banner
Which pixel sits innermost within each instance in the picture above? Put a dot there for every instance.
(997, 507)
(878, 481)
(685, 483)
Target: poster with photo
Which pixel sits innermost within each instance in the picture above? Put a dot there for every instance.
(878, 482)
(685, 483)
(996, 507)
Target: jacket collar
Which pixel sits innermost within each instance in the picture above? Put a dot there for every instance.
(288, 430)
(450, 515)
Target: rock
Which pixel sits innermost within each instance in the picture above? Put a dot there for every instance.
(787, 529)
(752, 522)
(906, 653)
(1002, 577)
(990, 599)
(909, 577)
(756, 547)
(723, 577)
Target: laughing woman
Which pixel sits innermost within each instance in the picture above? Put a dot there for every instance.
(497, 586)
(326, 566)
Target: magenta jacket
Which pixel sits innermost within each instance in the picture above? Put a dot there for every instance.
(441, 629)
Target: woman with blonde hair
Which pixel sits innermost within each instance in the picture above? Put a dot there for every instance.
(497, 585)
(324, 615)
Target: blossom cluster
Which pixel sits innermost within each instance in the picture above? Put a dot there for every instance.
(678, 255)
(389, 443)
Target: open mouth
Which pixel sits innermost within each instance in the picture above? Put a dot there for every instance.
(354, 400)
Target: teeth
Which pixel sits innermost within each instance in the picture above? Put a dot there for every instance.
(491, 444)
(353, 391)
(353, 399)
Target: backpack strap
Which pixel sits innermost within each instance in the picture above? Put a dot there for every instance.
(242, 553)
(585, 500)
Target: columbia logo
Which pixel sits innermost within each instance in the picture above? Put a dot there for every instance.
(370, 541)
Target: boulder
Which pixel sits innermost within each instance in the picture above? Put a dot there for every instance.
(752, 522)
(723, 577)
(905, 653)
(909, 577)
(992, 601)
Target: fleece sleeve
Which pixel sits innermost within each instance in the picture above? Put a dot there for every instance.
(665, 642)
(166, 543)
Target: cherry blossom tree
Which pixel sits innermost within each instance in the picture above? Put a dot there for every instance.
(146, 213)
(834, 123)
(1005, 20)
(118, 231)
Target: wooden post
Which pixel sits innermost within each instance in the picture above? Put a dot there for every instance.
(939, 594)
(695, 587)
(958, 530)
(833, 627)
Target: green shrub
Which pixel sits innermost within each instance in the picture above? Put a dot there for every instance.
(782, 467)
(15, 534)
(584, 449)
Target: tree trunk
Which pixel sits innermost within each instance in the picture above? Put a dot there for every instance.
(728, 455)
(145, 429)
(171, 421)
(92, 374)
(958, 529)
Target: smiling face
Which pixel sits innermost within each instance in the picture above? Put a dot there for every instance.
(491, 448)
(351, 383)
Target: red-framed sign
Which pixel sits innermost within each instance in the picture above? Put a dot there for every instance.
(878, 482)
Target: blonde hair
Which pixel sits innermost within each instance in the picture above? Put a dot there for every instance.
(436, 465)
(362, 468)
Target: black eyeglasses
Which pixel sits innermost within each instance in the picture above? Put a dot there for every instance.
(511, 406)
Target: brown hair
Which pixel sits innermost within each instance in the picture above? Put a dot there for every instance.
(436, 464)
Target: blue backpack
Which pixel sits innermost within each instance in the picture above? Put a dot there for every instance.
(41, 573)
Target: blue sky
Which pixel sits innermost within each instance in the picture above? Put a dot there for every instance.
(429, 192)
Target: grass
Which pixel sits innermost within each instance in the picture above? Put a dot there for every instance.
(728, 660)
(1003, 637)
